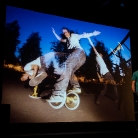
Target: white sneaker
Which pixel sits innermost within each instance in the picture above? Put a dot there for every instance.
(76, 90)
(34, 96)
(56, 98)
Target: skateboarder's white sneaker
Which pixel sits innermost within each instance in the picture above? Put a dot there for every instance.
(76, 90)
(34, 96)
(56, 98)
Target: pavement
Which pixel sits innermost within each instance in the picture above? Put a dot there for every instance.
(24, 109)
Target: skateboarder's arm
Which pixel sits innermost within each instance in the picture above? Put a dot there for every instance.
(24, 77)
(35, 68)
(57, 36)
(88, 35)
(133, 86)
(91, 43)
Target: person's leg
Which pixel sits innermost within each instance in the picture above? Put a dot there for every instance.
(102, 93)
(107, 76)
(110, 77)
(72, 61)
(41, 86)
(38, 79)
(37, 83)
(115, 93)
(34, 95)
(74, 84)
(135, 101)
(73, 79)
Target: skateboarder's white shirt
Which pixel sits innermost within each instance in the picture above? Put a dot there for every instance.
(47, 59)
(102, 65)
(74, 41)
(27, 67)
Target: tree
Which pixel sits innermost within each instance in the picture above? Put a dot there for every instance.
(58, 47)
(126, 69)
(11, 41)
(50, 69)
(117, 74)
(31, 49)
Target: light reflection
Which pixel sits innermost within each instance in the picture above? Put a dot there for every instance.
(14, 67)
(19, 68)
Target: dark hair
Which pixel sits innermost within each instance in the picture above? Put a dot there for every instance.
(62, 35)
(70, 31)
(67, 42)
(100, 53)
(65, 29)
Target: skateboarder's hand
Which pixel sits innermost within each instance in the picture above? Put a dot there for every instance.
(31, 77)
(96, 33)
(101, 80)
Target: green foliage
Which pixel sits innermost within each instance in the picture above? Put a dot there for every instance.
(11, 41)
(50, 69)
(58, 47)
(31, 49)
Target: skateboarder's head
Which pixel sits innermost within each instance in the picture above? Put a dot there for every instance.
(101, 55)
(24, 77)
(66, 32)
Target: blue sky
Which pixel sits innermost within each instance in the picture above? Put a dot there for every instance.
(31, 21)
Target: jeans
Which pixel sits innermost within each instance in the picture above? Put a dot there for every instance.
(136, 98)
(74, 61)
(108, 76)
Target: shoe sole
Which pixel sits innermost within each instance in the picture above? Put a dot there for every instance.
(55, 101)
(74, 92)
(61, 103)
(34, 97)
(58, 100)
(78, 92)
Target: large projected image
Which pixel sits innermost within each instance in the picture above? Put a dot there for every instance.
(58, 69)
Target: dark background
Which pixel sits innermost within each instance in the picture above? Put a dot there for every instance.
(117, 13)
